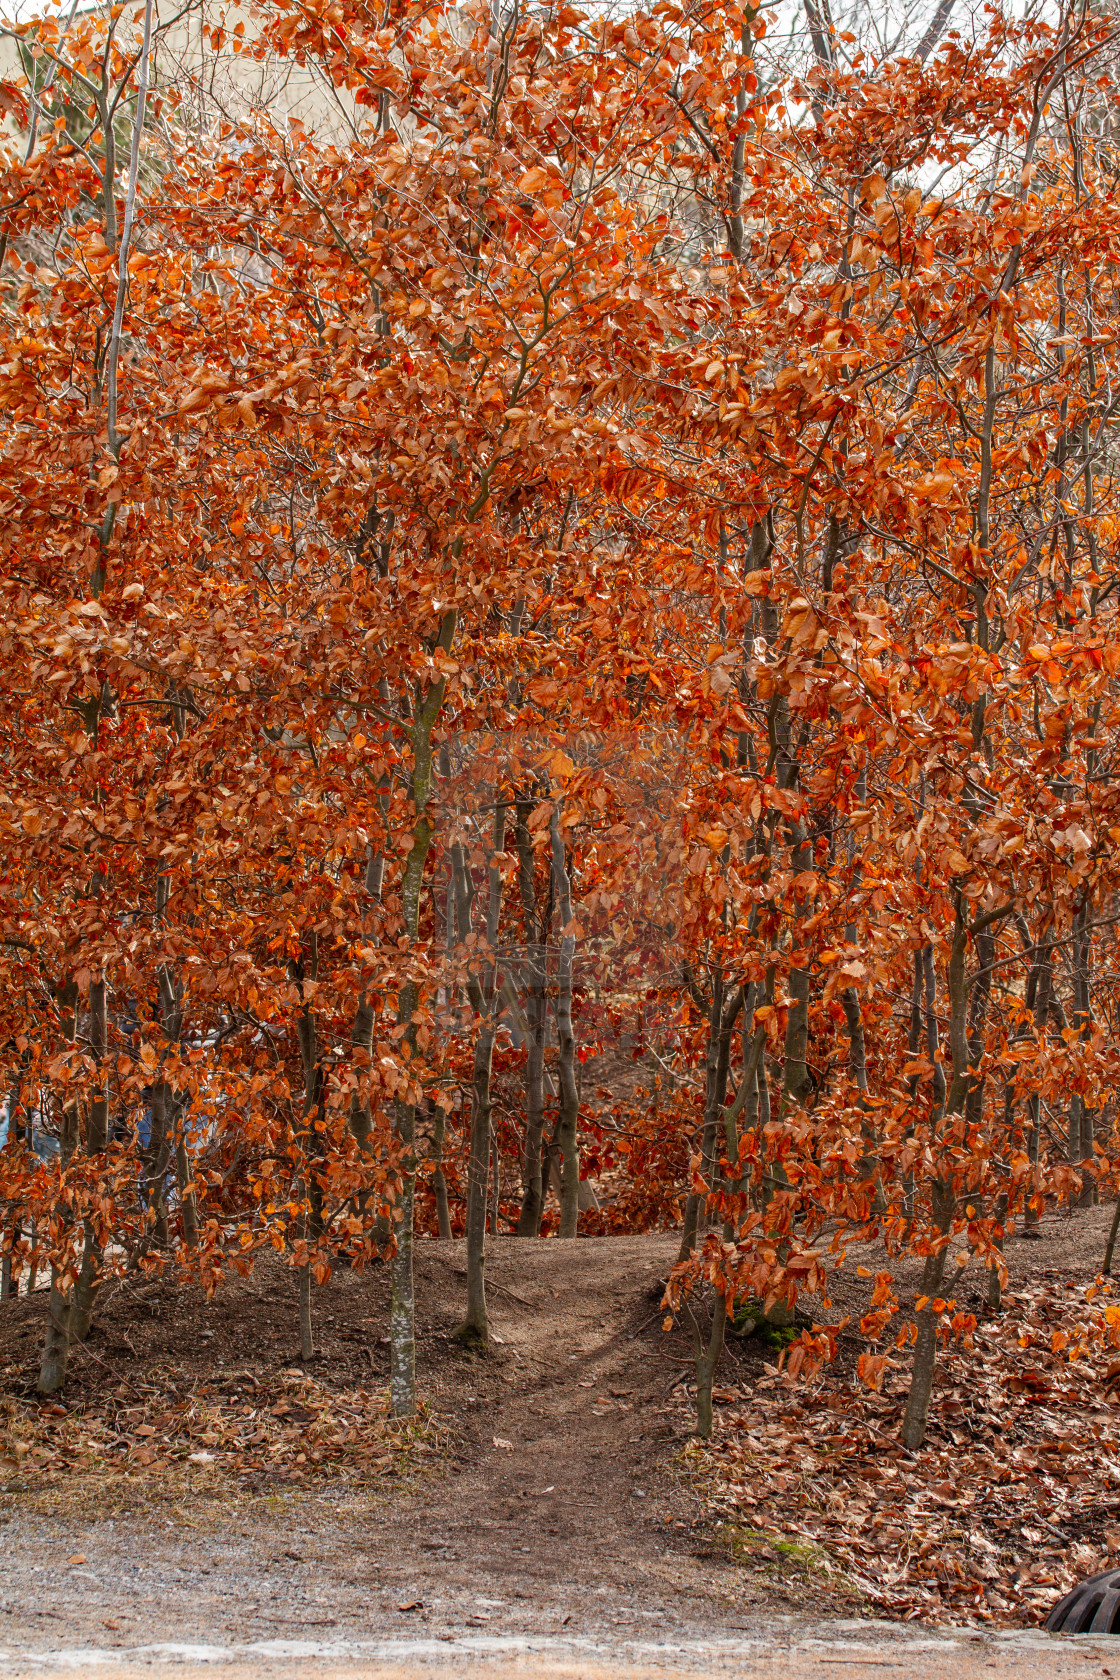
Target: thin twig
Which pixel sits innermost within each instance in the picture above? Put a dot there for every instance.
(126, 233)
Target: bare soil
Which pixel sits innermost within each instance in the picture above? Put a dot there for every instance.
(551, 1513)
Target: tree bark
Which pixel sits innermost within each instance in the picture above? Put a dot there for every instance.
(1080, 1139)
(925, 1348)
(56, 1336)
(306, 1325)
(1110, 1246)
(1043, 979)
(532, 1201)
(17, 1130)
(707, 1362)
(402, 1309)
(402, 1305)
(943, 1196)
(361, 1034)
(439, 1181)
(88, 1283)
(717, 1066)
(483, 990)
(474, 1329)
(567, 1129)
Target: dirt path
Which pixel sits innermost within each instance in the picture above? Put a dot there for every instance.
(560, 1537)
(551, 1521)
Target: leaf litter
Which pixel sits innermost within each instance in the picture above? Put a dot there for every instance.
(293, 1428)
(1013, 1499)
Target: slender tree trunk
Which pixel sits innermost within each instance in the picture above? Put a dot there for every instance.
(183, 1174)
(933, 1032)
(306, 1327)
(925, 1348)
(9, 1279)
(484, 995)
(977, 1015)
(1080, 1142)
(56, 1336)
(796, 1083)
(532, 1201)
(154, 1160)
(402, 1306)
(567, 1130)
(696, 1198)
(310, 1220)
(1110, 1246)
(495, 1180)
(707, 1362)
(474, 1329)
(995, 1286)
(722, 1016)
(361, 1037)
(439, 1181)
(88, 1283)
(1043, 983)
(402, 1310)
(943, 1207)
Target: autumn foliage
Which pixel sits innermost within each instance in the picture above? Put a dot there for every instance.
(558, 628)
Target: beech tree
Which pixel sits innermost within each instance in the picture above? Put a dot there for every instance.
(706, 466)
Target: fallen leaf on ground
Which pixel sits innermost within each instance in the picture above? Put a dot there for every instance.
(1009, 1503)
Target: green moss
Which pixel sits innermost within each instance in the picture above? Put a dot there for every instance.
(749, 1320)
(793, 1563)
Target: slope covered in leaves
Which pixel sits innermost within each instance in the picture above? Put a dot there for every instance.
(1014, 1497)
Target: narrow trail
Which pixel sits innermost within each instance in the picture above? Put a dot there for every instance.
(563, 1491)
(556, 1543)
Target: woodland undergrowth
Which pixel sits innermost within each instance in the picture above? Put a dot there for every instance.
(1011, 1500)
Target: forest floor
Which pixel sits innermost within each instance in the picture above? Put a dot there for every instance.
(200, 1500)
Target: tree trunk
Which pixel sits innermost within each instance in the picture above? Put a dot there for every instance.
(474, 1329)
(361, 1038)
(532, 1200)
(183, 1172)
(9, 1277)
(56, 1336)
(708, 1137)
(707, 1362)
(943, 1198)
(995, 1286)
(1043, 978)
(439, 1182)
(88, 1284)
(1110, 1246)
(925, 1349)
(496, 1180)
(154, 1161)
(402, 1307)
(1080, 1141)
(402, 1310)
(567, 1129)
(306, 1329)
(484, 995)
